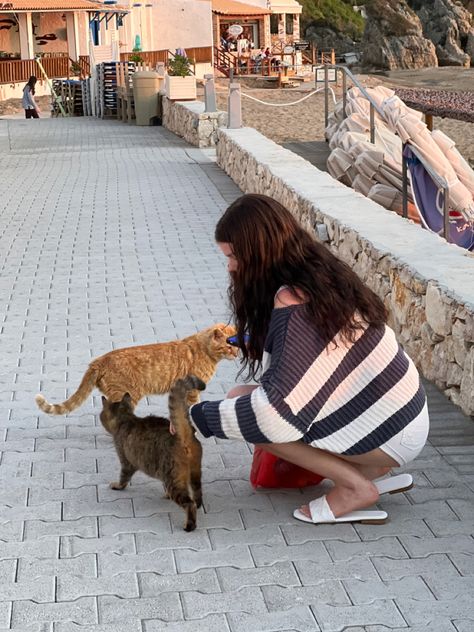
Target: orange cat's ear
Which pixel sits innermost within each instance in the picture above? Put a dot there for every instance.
(104, 400)
(218, 333)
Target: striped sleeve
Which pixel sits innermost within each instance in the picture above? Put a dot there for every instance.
(252, 418)
(262, 416)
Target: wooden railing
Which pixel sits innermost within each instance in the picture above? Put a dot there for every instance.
(19, 70)
(149, 57)
(198, 55)
(85, 64)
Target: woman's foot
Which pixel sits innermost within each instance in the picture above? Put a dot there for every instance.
(342, 500)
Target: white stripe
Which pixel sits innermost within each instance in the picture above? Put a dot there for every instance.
(229, 422)
(270, 423)
(380, 411)
(319, 373)
(373, 364)
(266, 361)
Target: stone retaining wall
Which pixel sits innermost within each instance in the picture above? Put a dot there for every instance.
(427, 284)
(188, 119)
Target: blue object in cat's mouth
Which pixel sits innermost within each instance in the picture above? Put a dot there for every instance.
(233, 340)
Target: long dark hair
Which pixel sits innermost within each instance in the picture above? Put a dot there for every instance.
(272, 250)
(32, 83)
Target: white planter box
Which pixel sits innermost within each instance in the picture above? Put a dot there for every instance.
(180, 88)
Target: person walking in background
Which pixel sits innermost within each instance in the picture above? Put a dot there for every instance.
(28, 101)
(337, 395)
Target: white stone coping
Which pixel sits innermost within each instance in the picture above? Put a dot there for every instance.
(195, 107)
(424, 252)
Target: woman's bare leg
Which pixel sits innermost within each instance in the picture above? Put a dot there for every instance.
(353, 488)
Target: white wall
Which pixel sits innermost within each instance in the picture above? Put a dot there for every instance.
(182, 24)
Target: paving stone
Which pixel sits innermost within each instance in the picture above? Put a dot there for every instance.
(188, 560)
(326, 591)
(82, 528)
(32, 482)
(337, 618)
(5, 613)
(30, 568)
(397, 569)
(421, 547)
(223, 520)
(82, 611)
(110, 525)
(118, 508)
(455, 492)
(40, 496)
(443, 625)
(256, 518)
(38, 590)
(156, 562)
(71, 546)
(124, 626)
(391, 547)
(397, 525)
(279, 574)
(299, 534)
(310, 572)
(38, 548)
(203, 581)
(11, 531)
(266, 555)
(449, 587)
(48, 511)
(463, 562)
(464, 510)
(365, 592)
(221, 503)
(166, 607)
(247, 599)
(124, 585)
(421, 612)
(222, 538)
(196, 540)
(211, 623)
(299, 619)
(441, 528)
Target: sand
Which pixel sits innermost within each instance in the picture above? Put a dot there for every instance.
(305, 121)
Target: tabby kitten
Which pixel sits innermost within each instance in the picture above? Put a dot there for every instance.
(150, 369)
(145, 444)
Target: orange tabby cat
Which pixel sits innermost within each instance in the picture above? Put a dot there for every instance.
(150, 369)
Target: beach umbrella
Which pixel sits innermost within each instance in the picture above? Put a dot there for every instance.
(340, 166)
(460, 166)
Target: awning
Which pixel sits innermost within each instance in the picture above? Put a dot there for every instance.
(234, 8)
(285, 6)
(41, 6)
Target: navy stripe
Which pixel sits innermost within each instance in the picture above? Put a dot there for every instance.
(290, 364)
(275, 398)
(392, 426)
(367, 397)
(198, 417)
(248, 425)
(353, 358)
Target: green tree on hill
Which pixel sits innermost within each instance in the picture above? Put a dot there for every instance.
(337, 15)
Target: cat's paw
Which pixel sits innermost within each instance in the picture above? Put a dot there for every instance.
(117, 485)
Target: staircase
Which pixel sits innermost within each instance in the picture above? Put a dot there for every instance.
(223, 62)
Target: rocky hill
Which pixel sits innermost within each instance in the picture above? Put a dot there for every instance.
(396, 33)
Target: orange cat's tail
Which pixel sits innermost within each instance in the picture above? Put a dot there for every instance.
(88, 383)
(179, 408)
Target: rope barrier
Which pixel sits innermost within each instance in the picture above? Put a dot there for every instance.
(283, 105)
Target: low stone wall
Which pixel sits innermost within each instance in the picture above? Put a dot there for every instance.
(188, 119)
(426, 284)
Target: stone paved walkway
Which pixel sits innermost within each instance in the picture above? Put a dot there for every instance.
(106, 240)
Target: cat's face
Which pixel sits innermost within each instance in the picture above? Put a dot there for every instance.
(217, 341)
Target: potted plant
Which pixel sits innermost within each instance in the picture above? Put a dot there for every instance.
(180, 84)
(135, 56)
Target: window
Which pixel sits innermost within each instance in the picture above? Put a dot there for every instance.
(289, 23)
(274, 24)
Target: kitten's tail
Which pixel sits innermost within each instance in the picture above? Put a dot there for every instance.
(88, 383)
(179, 407)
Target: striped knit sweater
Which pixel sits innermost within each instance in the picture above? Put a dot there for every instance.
(346, 399)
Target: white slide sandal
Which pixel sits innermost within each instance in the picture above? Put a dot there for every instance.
(394, 484)
(322, 514)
